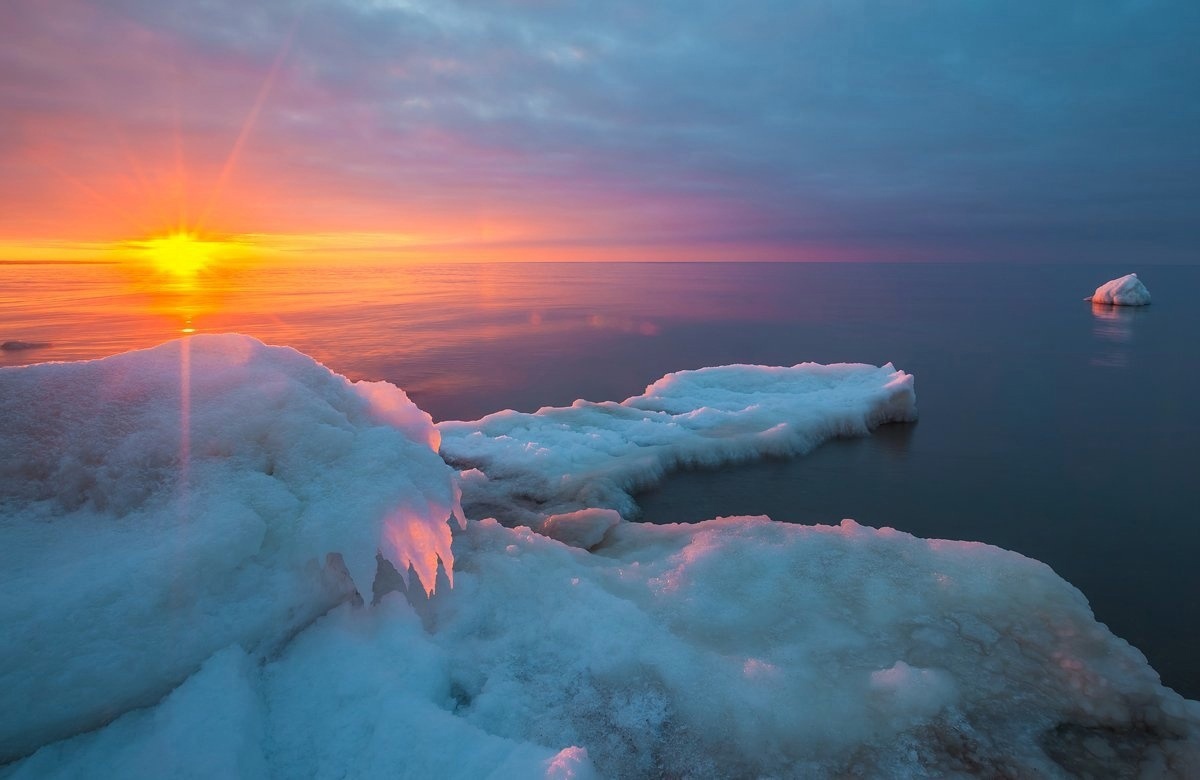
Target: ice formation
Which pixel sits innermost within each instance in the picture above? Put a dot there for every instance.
(742, 647)
(1126, 291)
(584, 529)
(160, 505)
(734, 647)
(16, 346)
(522, 467)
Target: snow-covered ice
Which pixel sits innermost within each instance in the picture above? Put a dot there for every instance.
(742, 647)
(189, 603)
(160, 505)
(585, 528)
(523, 467)
(1126, 291)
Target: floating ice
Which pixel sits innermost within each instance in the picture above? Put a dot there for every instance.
(737, 647)
(522, 468)
(160, 505)
(1126, 291)
(16, 346)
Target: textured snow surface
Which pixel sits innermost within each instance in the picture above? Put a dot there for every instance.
(737, 647)
(143, 527)
(742, 647)
(214, 640)
(1126, 291)
(522, 468)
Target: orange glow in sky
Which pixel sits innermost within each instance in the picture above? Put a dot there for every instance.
(245, 159)
(478, 132)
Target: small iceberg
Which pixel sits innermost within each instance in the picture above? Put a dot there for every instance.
(1126, 291)
(16, 346)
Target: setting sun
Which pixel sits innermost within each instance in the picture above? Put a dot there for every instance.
(181, 253)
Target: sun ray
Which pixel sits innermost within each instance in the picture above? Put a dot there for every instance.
(247, 126)
(110, 209)
(181, 180)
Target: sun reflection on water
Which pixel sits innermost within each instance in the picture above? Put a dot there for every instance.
(1112, 327)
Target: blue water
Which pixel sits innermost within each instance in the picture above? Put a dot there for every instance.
(1065, 432)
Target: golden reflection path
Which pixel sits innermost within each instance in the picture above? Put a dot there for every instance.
(430, 327)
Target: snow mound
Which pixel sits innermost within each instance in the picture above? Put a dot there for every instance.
(522, 467)
(737, 647)
(160, 505)
(1126, 291)
(210, 726)
(742, 647)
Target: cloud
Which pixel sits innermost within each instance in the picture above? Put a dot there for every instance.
(885, 128)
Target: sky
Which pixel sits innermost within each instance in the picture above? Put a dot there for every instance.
(607, 130)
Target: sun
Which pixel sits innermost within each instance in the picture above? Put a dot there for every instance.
(182, 253)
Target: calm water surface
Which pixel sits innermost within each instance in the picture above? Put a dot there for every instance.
(1064, 431)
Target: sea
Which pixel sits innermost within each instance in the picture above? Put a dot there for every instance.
(1066, 431)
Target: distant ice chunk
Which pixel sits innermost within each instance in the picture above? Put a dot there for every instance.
(17, 346)
(522, 468)
(1126, 291)
(159, 505)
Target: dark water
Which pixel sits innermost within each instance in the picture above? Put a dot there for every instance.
(1063, 431)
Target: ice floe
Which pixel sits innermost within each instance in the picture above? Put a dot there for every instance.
(1126, 291)
(524, 467)
(17, 346)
